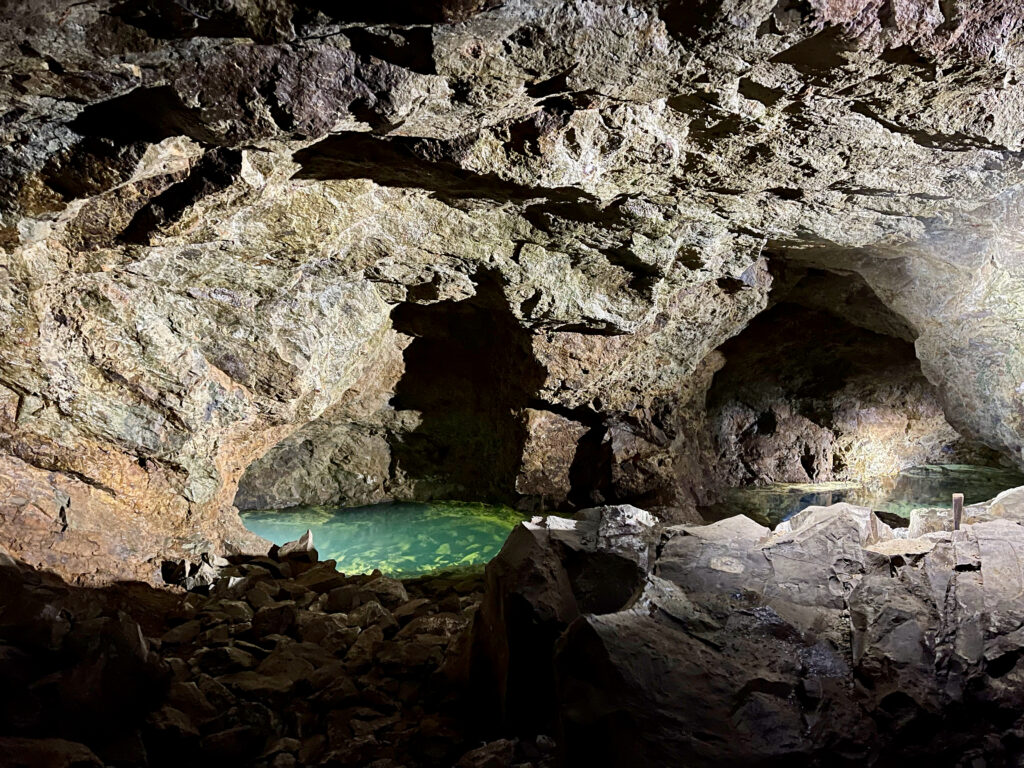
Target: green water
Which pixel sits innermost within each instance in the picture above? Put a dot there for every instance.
(401, 539)
(924, 486)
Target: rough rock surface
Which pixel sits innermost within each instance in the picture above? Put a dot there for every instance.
(276, 662)
(215, 217)
(828, 641)
(550, 570)
(848, 402)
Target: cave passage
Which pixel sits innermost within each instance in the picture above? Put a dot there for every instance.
(822, 399)
(469, 375)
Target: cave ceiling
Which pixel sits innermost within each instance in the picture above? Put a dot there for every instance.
(209, 210)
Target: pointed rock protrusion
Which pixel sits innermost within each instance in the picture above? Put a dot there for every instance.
(299, 551)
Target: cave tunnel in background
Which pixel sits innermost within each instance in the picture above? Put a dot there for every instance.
(822, 399)
(469, 373)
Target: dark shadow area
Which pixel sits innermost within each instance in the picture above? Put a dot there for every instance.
(417, 163)
(172, 19)
(469, 371)
(409, 47)
(217, 169)
(91, 166)
(75, 667)
(145, 114)
(403, 11)
(272, 661)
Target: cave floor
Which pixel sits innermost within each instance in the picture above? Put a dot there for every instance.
(930, 485)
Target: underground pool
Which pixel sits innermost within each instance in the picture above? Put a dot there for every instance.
(401, 539)
(929, 485)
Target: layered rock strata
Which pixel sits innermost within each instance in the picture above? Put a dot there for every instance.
(215, 217)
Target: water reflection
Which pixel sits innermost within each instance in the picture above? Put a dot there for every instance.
(401, 539)
(924, 486)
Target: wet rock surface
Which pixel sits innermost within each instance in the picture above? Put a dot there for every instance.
(240, 234)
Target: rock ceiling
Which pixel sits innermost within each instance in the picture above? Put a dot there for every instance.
(211, 208)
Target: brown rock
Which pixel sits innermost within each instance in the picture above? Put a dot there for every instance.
(299, 551)
(388, 592)
(277, 619)
(372, 613)
(47, 753)
(548, 455)
(345, 598)
(363, 650)
(413, 609)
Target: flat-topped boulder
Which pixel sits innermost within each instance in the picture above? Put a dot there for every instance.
(828, 640)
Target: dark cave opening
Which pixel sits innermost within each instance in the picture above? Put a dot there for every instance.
(824, 385)
(469, 374)
(822, 399)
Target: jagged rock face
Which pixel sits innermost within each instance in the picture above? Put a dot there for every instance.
(830, 640)
(823, 386)
(213, 213)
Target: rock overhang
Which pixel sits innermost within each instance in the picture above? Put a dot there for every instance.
(208, 216)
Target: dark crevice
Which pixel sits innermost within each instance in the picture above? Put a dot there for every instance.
(689, 20)
(786, 193)
(644, 277)
(767, 423)
(807, 460)
(174, 19)
(587, 330)
(144, 114)
(907, 55)
(92, 166)
(581, 413)
(525, 135)
(1002, 665)
(951, 142)
(816, 55)
(409, 47)
(416, 163)
(216, 170)
(730, 285)
(556, 84)
(768, 96)
(552, 217)
(404, 11)
(965, 567)
(590, 472)
(469, 373)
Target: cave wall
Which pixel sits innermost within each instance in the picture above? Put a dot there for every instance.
(209, 213)
(805, 396)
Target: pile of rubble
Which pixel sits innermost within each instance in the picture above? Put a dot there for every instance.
(273, 661)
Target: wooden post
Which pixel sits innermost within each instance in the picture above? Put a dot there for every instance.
(958, 510)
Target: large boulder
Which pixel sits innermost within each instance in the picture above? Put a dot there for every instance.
(549, 571)
(827, 641)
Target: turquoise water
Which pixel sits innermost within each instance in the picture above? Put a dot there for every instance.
(401, 539)
(925, 486)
